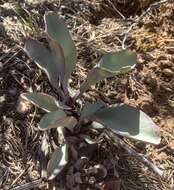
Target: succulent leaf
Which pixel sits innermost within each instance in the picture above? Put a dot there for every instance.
(119, 62)
(57, 30)
(58, 58)
(56, 119)
(44, 101)
(128, 121)
(111, 64)
(44, 59)
(90, 109)
(58, 161)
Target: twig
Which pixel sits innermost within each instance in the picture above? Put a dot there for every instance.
(113, 6)
(137, 20)
(19, 176)
(4, 175)
(9, 59)
(30, 185)
(132, 152)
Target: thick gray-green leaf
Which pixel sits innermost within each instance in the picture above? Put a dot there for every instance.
(128, 121)
(57, 30)
(111, 64)
(44, 59)
(43, 101)
(58, 57)
(119, 62)
(58, 161)
(56, 119)
(90, 109)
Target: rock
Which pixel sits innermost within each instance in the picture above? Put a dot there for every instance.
(2, 99)
(23, 106)
(168, 72)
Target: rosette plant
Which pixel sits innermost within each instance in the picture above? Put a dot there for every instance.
(68, 110)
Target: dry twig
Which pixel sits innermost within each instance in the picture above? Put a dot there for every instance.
(30, 185)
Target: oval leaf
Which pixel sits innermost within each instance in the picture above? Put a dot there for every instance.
(56, 119)
(57, 30)
(69, 122)
(110, 65)
(90, 109)
(58, 57)
(130, 122)
(58, 161)
(119, 62)
(44, 60)
(43, 101)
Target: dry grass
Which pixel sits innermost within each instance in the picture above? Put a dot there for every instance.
(150, 87)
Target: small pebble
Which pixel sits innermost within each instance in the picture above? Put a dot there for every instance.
(23, 106)
(2, 99)
(168, 72)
